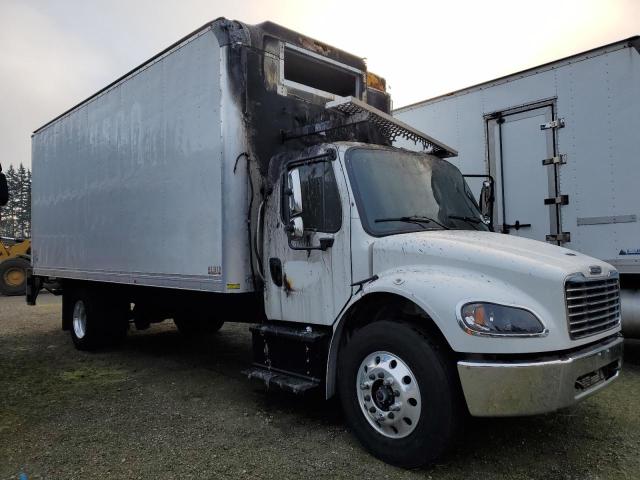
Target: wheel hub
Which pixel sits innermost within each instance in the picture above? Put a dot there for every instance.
(388, 394)
(14, 277)
(382, 395)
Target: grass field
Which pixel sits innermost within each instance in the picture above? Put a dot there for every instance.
(163, 407)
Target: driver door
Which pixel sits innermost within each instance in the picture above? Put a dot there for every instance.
(302, 282)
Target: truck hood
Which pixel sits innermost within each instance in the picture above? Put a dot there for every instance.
(484, 252)
(442, 270)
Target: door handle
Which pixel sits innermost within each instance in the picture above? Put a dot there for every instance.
(275, 268)
(516, 226)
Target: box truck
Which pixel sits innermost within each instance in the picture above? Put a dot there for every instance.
(560, 140)
(247, 174)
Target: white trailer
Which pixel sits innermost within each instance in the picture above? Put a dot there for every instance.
(561, 142)
(247, 174)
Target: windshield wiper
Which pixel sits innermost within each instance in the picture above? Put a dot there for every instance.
(471, 220)
(417, 219)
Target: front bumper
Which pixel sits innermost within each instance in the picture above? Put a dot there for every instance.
(513, 388)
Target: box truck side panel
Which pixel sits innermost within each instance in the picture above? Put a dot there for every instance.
(460, 119)
(599, 99)
(444, 119)
(127, 186)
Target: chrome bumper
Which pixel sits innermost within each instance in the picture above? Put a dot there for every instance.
(503, 389)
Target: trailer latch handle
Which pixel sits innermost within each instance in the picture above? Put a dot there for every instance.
(516, 226)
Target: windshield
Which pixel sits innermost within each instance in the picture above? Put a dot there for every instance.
(399, 191)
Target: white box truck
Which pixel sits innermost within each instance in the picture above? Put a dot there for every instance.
(246, 174)
(561, 142)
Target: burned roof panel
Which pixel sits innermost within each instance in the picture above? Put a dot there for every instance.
(236, 32)
(308, 43)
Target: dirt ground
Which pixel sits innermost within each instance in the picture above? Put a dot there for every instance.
(164, 407)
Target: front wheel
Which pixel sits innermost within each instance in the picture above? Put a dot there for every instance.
(399, 393)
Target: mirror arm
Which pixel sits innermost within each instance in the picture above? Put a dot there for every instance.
(491, 199)
(479, 175)
(326, 243)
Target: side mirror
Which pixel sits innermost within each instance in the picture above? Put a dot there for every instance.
(487, 199)
(296, 227)
(294, 192)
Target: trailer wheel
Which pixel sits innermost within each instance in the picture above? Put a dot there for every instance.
(96, 321)
(13, 276)
(399, 393)
(193, 325)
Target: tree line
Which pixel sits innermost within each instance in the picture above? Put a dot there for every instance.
(15, 216)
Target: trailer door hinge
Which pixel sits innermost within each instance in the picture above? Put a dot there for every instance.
(559, 200)
(557, 160)
(557, 123)
(564, 237)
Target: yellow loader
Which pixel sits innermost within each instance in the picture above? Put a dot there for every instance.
(15, 255)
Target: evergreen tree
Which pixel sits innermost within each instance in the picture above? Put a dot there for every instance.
(22, 194)
(27, 203)
(9, 210)
(15, 217)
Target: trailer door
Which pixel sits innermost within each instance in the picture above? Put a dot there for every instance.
(526, 190)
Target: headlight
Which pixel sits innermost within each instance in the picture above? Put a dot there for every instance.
(493, 319)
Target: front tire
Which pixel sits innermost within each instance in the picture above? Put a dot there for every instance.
(399, 393)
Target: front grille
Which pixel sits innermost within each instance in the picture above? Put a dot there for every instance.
(593, 306)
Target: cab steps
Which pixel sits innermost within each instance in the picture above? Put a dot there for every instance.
(283, 381)
(289, 357)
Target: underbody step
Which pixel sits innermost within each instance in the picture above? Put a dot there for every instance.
(283, 381)
(305, 335)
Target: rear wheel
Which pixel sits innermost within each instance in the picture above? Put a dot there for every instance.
(13, 276)
(194, 325)
(96, 321)
(400, 393)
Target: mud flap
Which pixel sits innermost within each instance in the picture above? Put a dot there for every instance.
(34, 284)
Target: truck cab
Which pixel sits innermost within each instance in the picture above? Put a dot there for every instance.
(385, 252)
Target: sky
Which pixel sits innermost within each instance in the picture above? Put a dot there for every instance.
(55, 53)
